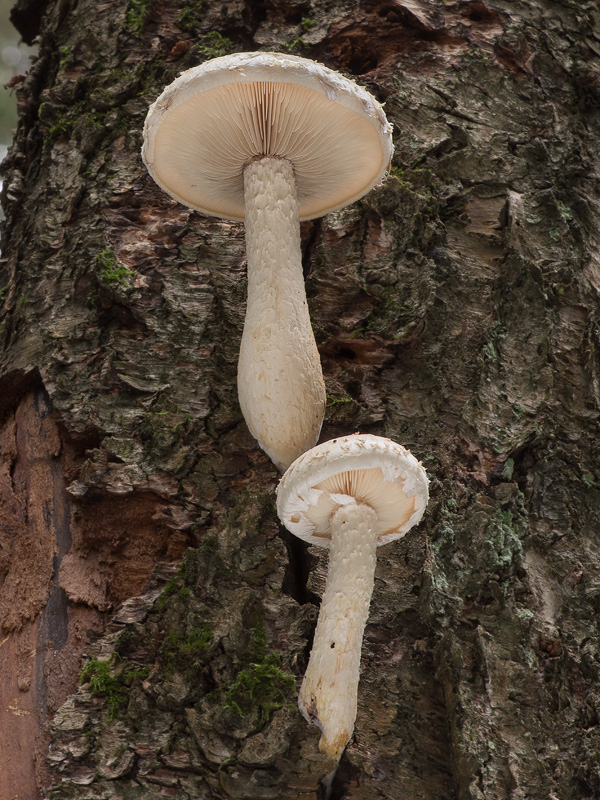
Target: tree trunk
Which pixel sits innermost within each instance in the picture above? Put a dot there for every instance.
(456, 311)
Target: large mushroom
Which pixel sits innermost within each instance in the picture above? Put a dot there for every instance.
(351, 495)
(271, 139)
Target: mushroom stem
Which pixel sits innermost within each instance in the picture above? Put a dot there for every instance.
(328, 696)
(279, 371)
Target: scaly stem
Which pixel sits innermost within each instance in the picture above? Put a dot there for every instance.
(280, 382)
(329, 691)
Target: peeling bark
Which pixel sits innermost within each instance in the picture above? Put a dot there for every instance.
(456, 311)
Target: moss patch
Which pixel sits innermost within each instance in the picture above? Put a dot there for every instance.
(261, 685)
(113, 680)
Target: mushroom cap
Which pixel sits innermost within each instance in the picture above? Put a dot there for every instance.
(364, 469)
(215, 118)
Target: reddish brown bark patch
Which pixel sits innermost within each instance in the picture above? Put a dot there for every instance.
(116, 545)
(28, 442)
(64, 562)
(19, 713)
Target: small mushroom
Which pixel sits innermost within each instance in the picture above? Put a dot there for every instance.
(271, 139)
(351, 495)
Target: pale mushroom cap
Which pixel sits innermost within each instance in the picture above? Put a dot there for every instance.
(361, 468)
(215, 118)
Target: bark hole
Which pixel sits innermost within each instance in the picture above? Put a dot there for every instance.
(298, 569)
(334, 786)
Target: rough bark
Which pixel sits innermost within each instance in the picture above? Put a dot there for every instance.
(456, 310)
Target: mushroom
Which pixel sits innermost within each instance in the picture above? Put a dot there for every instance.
(350, 495)
(271, 139)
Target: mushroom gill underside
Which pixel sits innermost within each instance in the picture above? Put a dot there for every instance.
(363, 486)
(334, 152)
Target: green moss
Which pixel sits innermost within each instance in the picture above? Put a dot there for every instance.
(137, 14)
(181, 652)
(333, 400)
(397, 172)
(305, 25)
(178, 585)
(188, 18)
(187, 640)
(265, 687)
(294, 44)
(261, 685)
(260, 640)
(215, 45)
(112, 273)
(65, 54)
(170, 590)
(73, 117)
(92, 298)
(112, 681)
(62, 126)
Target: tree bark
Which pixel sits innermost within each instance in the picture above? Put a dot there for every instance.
(456, 311)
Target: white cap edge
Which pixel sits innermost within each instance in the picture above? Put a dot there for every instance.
(358, 451)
